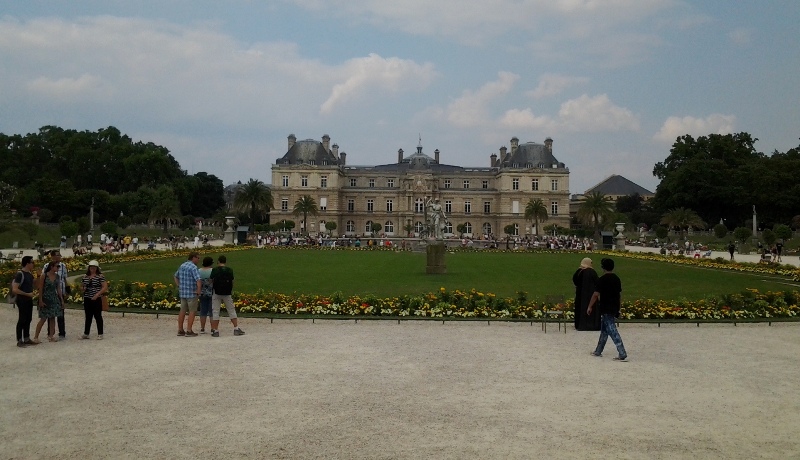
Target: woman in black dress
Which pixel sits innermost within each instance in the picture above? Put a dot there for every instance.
(584, 280)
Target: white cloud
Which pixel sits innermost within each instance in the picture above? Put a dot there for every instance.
(391, 74)
(675, 127)
(553, 84)
(595, 114)
(741, 36)
(472, 108)
(70, 89)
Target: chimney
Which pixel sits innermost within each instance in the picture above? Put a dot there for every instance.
(326, 142)
(292, 140)
(343, 158)
(336, 150)
(436, 156)
(514, 144)
(493, 160)
(400, 155)
(549, 144)
(503, 151)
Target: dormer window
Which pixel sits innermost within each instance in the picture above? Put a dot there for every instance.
(311, 162)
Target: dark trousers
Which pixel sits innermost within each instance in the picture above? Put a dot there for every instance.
(62, 332)
(93, 309)
(25, 307)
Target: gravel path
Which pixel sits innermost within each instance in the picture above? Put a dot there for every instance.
(335, 389)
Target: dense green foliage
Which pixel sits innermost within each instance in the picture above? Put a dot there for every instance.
(723, 177)
(61, 171)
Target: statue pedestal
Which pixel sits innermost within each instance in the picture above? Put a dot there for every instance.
(229, 236)
(436, 265)
(620, 243)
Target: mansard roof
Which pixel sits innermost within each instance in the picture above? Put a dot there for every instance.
(531, 155)
(306, 151)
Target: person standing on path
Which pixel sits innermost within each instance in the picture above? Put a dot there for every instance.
(51, 302)
(607, 295)
(187, 278)
(93, 285)
(206, 292)
(731, 248)
(22, 287)
(585, 279)
(222, 277)
(61, 273)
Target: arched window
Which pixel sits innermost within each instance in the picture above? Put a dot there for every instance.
(368, 227)
(467, 227)
(487, 228)
(388, 227)
(351, 226)
(448, 228)
(417, 227)
(516, 229)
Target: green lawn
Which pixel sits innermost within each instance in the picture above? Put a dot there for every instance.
(387, 273)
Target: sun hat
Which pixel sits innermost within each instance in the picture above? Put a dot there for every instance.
(94, 263)
(586, 263)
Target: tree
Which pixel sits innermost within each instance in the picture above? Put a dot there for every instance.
(661, 231)
(69, 228)
(796, 222)
(461, 229)
(769, 237)
(209, 197)
(742, 234)
(509, 229)
(630, 203)
(782, 231)
(124, 222)
(285, 225)
(376, 227)
(109, 228)
(683, 219)
(408, 228)
(595, 211)
(253, 197)
(330, 226)
(305, 205)
(535, 211)
(165, 207)
(720, 231)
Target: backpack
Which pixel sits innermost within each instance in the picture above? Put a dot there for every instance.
(223, 282)
(11, 297)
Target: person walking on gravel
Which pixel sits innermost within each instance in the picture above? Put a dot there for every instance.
(187, 278)
(222, 278)
(607, 295)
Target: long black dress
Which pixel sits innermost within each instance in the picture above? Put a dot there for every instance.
(584, 280)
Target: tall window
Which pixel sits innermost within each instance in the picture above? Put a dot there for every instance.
(323, 204)
(388, 227)
(370, 205)
(485, 184)
(448, 228)
(554, 208)
(350, 227)
(284, 204)
(487, 207)
(467, 207)
(351, 204)
(448, 206)
(535, 185)
(466, 184)
(389, 205)
(323, 182)
(516, 229)
(515, 207)
(368, 227)
(390, 183)
(487, 228)
(418, 227)
(419, 205)
(304, 181)
(372, 183)
(554, 184)
(285, 181)
(467, 227)
(447, 183)
(515, 184)
(352, 182)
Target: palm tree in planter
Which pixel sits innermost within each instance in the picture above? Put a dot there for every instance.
(682, 218)
(595, 211)
(408, 228)
(305, 205)
(535, 211)
(255, 198)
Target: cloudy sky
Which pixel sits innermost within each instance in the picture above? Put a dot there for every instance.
(223, 83)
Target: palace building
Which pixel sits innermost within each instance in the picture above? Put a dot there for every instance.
(484, 199)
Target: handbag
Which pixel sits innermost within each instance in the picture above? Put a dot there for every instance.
(104, 302)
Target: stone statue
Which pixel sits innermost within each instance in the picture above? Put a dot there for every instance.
(436, 219)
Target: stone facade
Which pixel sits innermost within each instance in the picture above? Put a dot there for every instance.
(485, 199)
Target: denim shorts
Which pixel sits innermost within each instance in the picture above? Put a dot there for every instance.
(205, 305)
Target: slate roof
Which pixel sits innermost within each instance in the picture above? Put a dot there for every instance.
(531, 155)
(619, 186)
(302, 152)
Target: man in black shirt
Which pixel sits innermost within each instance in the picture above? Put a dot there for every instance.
(607, 297)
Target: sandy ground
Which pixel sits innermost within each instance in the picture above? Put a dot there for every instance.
(378, 389)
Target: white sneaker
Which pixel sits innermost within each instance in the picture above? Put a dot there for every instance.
(99, 337)
(84, 336)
